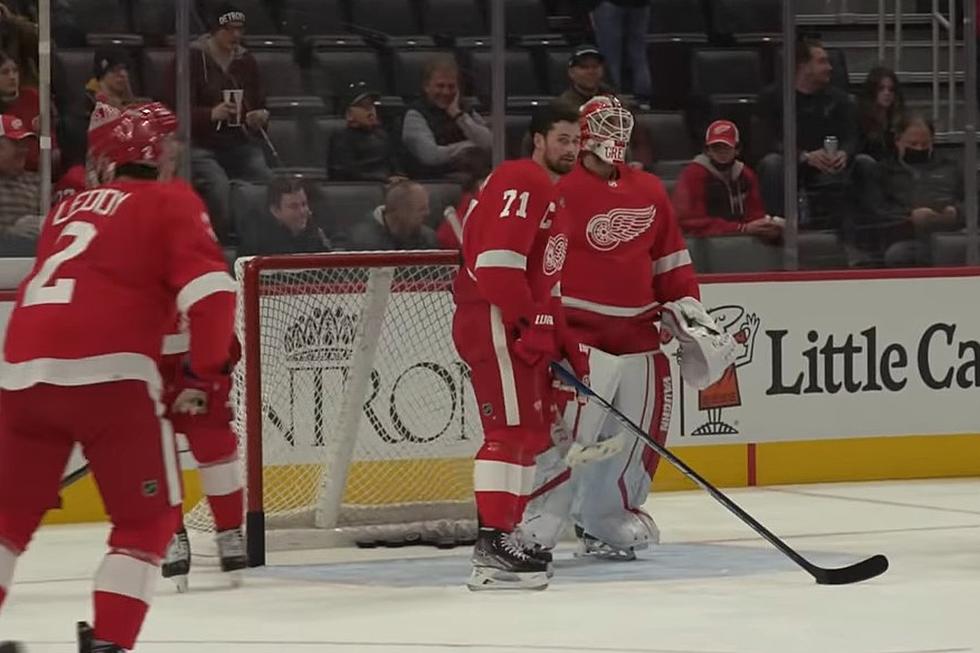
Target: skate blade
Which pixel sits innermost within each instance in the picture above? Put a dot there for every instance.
(607, 555)
(182, 583)
(12, 647)
(489, 578)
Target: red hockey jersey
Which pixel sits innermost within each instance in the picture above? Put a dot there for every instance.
(513, 242)
(71, 183)
(113, 266)
(626, 254)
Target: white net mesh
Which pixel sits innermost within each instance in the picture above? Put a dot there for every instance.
(368, 423)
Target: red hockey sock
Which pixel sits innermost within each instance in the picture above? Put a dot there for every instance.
(123, 590)
(503, 476)
(227, 510)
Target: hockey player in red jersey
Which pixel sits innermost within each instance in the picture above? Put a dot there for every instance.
(508, 327)
(81, 362)
(627, 262)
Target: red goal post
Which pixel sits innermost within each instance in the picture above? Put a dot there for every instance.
(354, 413)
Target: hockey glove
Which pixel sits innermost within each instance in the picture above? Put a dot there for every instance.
(537, 342)
(202, 401)
(706, 351)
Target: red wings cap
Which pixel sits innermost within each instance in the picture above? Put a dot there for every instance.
(135, 136)
(722, 131)
(13, 128)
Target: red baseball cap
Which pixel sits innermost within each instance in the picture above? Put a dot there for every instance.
(722, 131)
(13, 128)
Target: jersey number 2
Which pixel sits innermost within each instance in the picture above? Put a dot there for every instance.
(510, 196)
(40, 289)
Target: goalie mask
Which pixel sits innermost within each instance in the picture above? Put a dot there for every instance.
(606, 128)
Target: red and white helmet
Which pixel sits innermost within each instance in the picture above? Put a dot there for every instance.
(136, 135)
(606, 128)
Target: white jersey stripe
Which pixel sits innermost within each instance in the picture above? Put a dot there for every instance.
(220, 479)
(606, 309)
(171, 464)
(501, 258)
(176, 343)
(671, 261)
(203, 286)
(508, 385)
(123, 366)
(498, 476)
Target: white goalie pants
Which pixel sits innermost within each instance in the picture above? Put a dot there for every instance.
(605, 497)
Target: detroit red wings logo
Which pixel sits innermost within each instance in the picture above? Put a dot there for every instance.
(607, 230)
(554, 254)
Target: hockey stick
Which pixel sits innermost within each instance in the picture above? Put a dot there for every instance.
(855, 573)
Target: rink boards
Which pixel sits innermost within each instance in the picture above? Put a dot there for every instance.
(840, 376)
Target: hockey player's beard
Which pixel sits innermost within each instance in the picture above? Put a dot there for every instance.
(562, 165)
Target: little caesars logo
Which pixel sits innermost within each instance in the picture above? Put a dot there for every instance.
(725, 392)
(607, 230)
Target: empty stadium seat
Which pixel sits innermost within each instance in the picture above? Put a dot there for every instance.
(280, 73)
(752, 19)
(556, 70)
(741, 254)
(310, 17)
(676, 20)
(258, 18)
(341, 204)
(516, 127)
(818, 250)
(670, 140)
(159, 18)
(77, 66)
(521, 74)
(526, 17)
(385, 16)
(335, 70)
(249, 205)
(325, 129)
(408, 66)
(441, 195)
(71, 22)
(295, 141)
(726, 71)
(158, 73)
(454, 17)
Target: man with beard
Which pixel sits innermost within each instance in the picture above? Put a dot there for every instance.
(508, 327)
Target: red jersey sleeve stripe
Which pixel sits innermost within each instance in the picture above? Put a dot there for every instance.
(501, 258)
(203, 286)
(81, 371)
(177, 343)
(670, 262)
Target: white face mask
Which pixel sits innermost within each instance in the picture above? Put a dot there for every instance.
(608, 128)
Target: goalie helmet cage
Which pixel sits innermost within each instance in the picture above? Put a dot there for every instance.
(354, 412)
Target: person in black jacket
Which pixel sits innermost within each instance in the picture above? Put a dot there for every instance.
(288, 227)
(363, 151)
(922, 194)
(832, 175)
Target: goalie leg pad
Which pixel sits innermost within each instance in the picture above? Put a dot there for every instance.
(608, 493)
(549, 508)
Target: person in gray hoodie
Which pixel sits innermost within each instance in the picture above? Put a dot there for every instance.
(224, 132)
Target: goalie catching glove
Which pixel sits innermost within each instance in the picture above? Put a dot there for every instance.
(706, 351)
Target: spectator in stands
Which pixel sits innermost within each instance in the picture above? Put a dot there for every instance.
(288, 228)
(19, 40)
(442, 137)
(620, 23)
(586, 75)
(363, 151)
(20, 220)
(881, 106)
(228, 112)
(718, 195)
(923, 194)
(25, 103)
(399, 223)
(832, 175)
(110, 80)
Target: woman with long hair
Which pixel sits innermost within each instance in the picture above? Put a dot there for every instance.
(881, 106)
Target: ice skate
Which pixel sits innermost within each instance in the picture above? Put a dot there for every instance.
(593, 547)
(537, 552)
(86, 643)
(231, 551)
(500, 561)
(12, 647)
(177, 564)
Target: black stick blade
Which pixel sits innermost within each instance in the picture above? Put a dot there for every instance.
(856, 573)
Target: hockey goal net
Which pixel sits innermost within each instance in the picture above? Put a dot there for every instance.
(353, 411)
